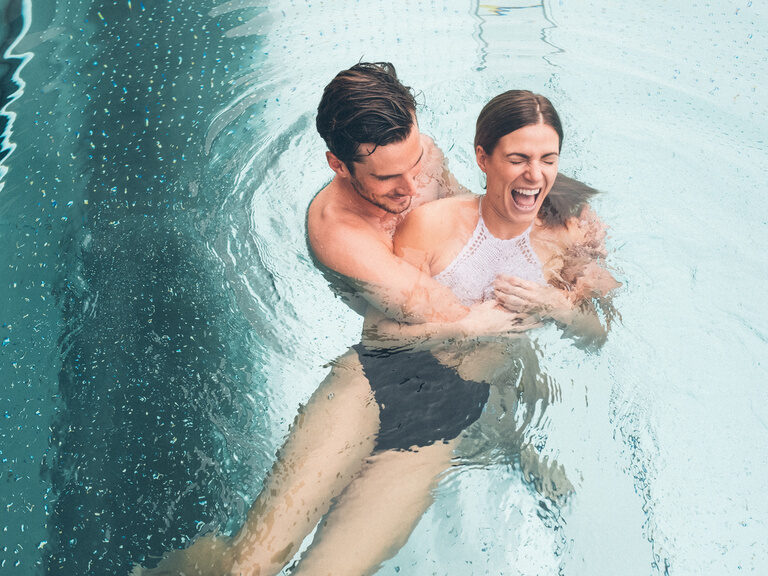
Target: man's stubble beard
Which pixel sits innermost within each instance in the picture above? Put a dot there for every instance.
(367, 197)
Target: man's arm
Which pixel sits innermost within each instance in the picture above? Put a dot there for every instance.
(484, 320)
(436, 174)
(397, 288)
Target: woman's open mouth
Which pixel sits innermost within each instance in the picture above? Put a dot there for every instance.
(525, 199)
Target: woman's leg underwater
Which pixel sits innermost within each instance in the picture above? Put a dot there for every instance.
(374, 516)
(328, 443)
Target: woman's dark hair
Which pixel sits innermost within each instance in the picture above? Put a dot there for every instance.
(511, 111)
(365, 104)
(517, 109)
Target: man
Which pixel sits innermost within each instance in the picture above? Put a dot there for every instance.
(383, 168)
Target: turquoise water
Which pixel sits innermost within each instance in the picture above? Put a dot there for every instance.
(161, 320)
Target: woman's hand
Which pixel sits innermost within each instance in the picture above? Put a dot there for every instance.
(524, 297)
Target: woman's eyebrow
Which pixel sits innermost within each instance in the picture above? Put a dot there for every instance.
(527, 157)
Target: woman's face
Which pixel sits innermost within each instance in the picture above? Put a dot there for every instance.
(521, 171)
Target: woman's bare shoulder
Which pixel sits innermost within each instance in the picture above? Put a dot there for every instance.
(451, 208)
(430, 224)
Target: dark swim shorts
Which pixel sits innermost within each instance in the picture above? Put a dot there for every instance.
(420, 400)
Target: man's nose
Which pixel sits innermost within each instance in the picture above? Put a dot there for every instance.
(409, 184)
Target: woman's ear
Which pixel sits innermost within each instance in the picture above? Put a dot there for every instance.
(481, 156)
(337, 165)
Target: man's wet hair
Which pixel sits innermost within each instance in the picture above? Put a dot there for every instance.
(366, 104)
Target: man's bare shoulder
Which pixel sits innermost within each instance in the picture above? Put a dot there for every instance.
(433, 158)
(428, 142)
(326, 204)
(327, 215)
(337, 234)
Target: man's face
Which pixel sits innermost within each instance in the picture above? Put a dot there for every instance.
(387, 177)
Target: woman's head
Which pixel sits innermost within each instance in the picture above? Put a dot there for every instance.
(511, 111)
(517, 144)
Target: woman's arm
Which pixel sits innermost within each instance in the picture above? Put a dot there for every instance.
(577, 317)
(580, 284)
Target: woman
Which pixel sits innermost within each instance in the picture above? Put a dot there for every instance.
(510, 245)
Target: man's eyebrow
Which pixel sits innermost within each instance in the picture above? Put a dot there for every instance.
(387, 176)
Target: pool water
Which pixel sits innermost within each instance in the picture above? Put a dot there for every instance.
(161, 319)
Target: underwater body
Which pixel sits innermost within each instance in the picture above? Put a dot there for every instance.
(162, 320)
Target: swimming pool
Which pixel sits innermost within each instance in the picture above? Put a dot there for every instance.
(162, 320)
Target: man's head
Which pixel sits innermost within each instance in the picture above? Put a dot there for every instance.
(368, 120)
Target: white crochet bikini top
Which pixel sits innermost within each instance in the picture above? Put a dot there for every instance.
(471, 274)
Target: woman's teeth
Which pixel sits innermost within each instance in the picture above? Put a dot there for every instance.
(524, 198)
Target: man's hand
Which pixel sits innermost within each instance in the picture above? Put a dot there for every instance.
(488, 321)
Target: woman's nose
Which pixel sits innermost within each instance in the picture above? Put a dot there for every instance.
(534, 171)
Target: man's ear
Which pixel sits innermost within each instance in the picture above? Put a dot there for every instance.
(337, 165)
(481, 157)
